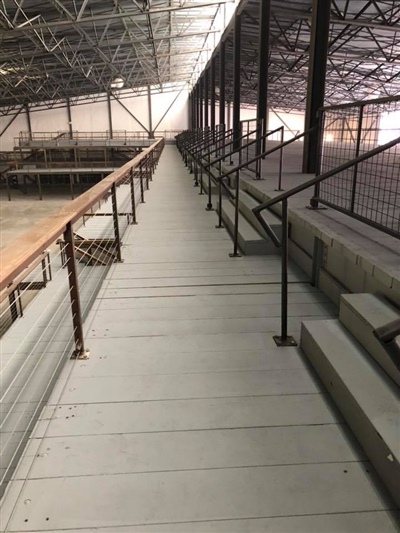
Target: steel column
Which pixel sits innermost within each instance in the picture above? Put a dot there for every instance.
(110, 125)
(201, 114)
(196, 107)
(71, 131)
(28, 118)
(151, 133)
(212, 94)
(263, 61)
(190, 111)
(236, 81)
(321, 11)
(206, 100)
(222, 49)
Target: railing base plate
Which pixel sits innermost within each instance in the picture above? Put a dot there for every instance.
(289, 341)
(210, 208)
(220, 226)
(235, 255)
(80, 354)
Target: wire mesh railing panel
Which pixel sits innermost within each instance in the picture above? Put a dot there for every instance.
(250, 130)
(371, 189)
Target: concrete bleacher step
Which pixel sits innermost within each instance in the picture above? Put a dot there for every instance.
(250, 241)
(361, 314)
(246, 205)
(366, 397)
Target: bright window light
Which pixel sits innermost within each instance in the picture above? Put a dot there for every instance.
(389, 127)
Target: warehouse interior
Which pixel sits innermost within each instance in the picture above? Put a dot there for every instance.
(200, 266)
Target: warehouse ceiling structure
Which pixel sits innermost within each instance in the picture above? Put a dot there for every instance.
(54, 50)
(363, 58)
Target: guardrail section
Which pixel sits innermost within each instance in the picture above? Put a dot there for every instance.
(49, 279)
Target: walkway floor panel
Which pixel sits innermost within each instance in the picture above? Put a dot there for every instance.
(187, 418)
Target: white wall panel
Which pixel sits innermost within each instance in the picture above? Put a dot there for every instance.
(177, 116)
(122, 120)
(50, 120)
(92, 116)
(19, 124)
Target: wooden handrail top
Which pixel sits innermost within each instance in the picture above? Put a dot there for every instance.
(20, 253)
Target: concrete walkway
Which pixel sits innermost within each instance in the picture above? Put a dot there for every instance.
(187, 418)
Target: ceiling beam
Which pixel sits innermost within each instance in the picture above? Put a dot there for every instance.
(110, 16)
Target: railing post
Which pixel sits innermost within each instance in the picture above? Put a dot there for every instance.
(220, 224)
(116, 223)
(151, 165)
(141, 182)
(201, 179)
(196, 173)
(133, 200)
(69, 249)
(236, 229)
(314, 204)
(209, 205)
(358, 146)
(284, 339)
(13, 306)
(147, 171)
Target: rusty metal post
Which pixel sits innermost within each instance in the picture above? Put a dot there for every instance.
(13, 306)
(133, 201)
(141, 183)
(147, 159)
(116, 223)
(69, 249)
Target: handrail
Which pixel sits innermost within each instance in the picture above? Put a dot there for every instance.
(202, 135)
(284, 339)
(18, 255)
(265, 154)
(326, 175)
(213, 135)
(227, 144)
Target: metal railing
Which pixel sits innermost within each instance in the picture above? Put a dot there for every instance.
(369, 191)
(368, 173)
(124, 135)
(284, 339)
(61, 262)
(206, 165)
(251, 130)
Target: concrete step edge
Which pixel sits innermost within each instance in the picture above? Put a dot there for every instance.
(361, 314)
(365, 396)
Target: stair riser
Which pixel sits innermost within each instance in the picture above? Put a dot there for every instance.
(250, 216)
(374, 446)
(362, 331)
(247, 247)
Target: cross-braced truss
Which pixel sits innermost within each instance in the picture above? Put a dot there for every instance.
(363, 57)
(51, 50)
